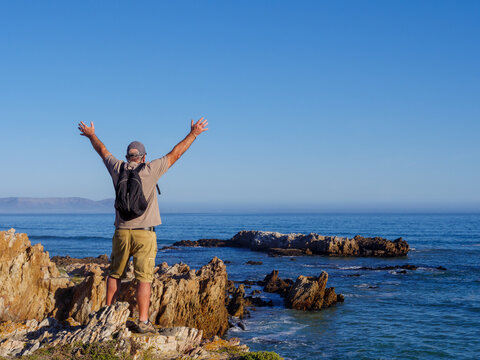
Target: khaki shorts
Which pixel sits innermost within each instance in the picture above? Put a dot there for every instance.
(142, 245)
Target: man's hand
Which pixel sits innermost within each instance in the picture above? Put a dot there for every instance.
(197, 128)
(85, 130)
(89, 132)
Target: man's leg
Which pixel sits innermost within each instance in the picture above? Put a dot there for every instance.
(119, 260)
(144, 250)
(143, 299)
(113, 286)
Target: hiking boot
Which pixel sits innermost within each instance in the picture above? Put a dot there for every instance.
(147, 328)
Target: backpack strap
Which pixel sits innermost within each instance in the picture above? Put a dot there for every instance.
(123, 167)
(138, 169)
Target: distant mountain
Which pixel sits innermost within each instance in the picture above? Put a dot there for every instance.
(16, 205)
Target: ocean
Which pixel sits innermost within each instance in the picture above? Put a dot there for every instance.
(387, 314)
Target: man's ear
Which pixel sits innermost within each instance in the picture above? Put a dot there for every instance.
(143, 158)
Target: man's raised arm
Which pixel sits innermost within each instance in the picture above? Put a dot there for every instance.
(195, 129)
(89, 132)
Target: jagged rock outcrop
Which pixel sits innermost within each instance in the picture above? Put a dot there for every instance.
(194, 299)
(236, 305)
(108, 323)
(278, 244)
(307, 293)
(273, 284)
(29, 281)
(67, 260)
(321, 245)
(24, 340)
(310, 293)
(88, 296)
(180, 296)
(203, 243)
(32, 287)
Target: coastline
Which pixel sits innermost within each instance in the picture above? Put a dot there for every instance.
(376, 301)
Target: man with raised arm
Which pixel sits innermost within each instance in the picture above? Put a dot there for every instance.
(136, 237)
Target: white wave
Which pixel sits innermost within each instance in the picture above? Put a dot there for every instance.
(353, 295)
(398, 272)
(362, 285)
(235, 329)
(349, 267)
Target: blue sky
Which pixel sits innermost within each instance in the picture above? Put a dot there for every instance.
(312, 105)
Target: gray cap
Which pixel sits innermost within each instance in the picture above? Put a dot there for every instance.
(136, 145)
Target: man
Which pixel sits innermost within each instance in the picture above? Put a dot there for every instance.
(136, 237)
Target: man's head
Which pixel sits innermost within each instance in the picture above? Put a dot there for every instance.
(136, 152)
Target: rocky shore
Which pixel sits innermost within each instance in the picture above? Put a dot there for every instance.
(278, 244)
(42, 305)
(57, 302)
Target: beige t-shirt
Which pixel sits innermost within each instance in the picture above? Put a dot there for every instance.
(149, 176)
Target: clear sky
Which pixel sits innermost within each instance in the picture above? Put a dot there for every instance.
(312, 105)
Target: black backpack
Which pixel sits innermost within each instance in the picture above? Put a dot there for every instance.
(130, 201)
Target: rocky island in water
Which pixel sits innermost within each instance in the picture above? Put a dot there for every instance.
(307, 244)
(60, 301)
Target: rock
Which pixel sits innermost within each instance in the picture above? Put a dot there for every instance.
(329, 297)
(273, 284)
(256, 301)
(230, 287)
(29, 281)
(106, 324)
(246, 282)
(318, 244)
(236, 303)
(251, 262)
(203, 243)
(103, 325)
(307, 293)
(169, 343)
(84, 270)
(395, 267)
(169, 248)
(403, 268)
(278, 244)
(236, 323)
(180, 297)
(193, 299)
(310, 293)
(87, 297)
(63, 261)
(286, 252)
(31, 287)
